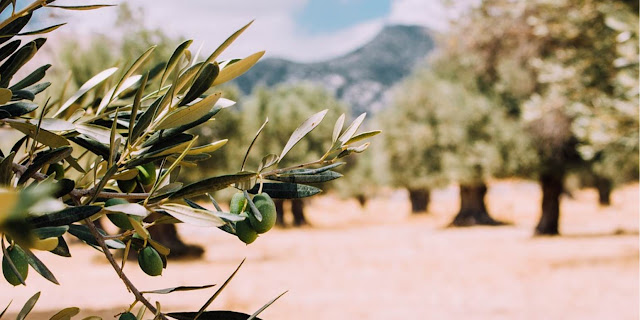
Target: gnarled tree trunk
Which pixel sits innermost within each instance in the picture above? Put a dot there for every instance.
(362, 200)
(297, 208)
(419, 200)
(473, 210)
(604, 187)
(279, 212)
(552, 184)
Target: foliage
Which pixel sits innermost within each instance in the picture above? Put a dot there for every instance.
(126, 128)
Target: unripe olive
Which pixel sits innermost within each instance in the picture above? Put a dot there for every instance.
(150, 261)
(56, 168)
(20, 262)
(268, 211)
(127, 186)
(120, 220)
(245, 231)
(147, 173)
(127, 316)
(238, 202)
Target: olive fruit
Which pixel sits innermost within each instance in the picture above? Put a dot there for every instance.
(127, 186)
(147, 173)
(268, 211)
(245, 231)
(150, 261)
(120, 220)
(238, 202)
(127, 316)
(19, 261)
(57, 169)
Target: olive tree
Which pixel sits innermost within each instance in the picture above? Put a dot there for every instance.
(100, 151)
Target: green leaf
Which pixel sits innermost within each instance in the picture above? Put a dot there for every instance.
(133, 209)
(145, 120)
(246, 154)
(351, 130)
(135, 107)
(126, 84)
(44, 158)
(82, 232)
(28, 306)
(228, 42)
(362, 136)
(8, 48)
(253, 209)
(5, 309)
(303, 130)
(41, 31)
(233, 71)
(189, 114)
(16, 61)
(202, 83)
(210, 315)
(97, 133)
(178, 289)
(88, 7)
(255, 314)
(170, 133)
(62, 249)
(337, 128)
(286, 190)
(313, 171)
(64, 217)
(173, 61)
(63, 187)
(38, 266)
(268, 161)
(306, 178)
(211, 185)
(94, 146)
(215, 295)
(103, 182)
(6, 169)
(66, 313)
(32, 78)
(14, 27)
(134, 67)
(197, 217)
(90, 84)
(50, 232)
(19, 108)
(45, 137)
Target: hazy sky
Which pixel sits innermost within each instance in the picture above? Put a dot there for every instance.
(303, 30)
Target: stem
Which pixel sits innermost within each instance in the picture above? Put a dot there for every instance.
(114, 264)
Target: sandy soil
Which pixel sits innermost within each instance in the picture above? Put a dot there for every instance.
(382, 263)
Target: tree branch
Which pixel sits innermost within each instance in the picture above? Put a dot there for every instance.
(114, 264)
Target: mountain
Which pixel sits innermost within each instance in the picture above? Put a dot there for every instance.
(362, 78)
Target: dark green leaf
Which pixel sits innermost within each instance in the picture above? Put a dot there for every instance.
(136, 106)
(63, 187)
(62, 249)
(103, 182)
(49, 232)
(64, 217)
(32, 78)
(9, 48)
(177, 289)
(145, 119)
(92, 145)
(19, 108)
(8, 31)
(173, 60)
(12, 266)
(202, 83)
(44, 158)
(5, 309)
(82, 232)
(170, 133)
(166, 144)
(41, 31)
(6, 169)
(286, 190)
(211, 185)
(31, 91)
(305, 178)
(28, 306)
(15, 62)
(37, 265)
(215, 295)
(211, 315)
(255, 314)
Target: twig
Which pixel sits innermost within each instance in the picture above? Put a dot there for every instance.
(114, 264)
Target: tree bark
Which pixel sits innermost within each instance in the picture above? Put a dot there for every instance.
(604, 187)
(297, 208)
(473, 210)
(279, 212)
(419, 200)
(552, 184)
(362, 200)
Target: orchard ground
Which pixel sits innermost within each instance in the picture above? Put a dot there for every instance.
(382, 263)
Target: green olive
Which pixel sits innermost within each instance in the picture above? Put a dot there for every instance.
(127, 186)
(238, 202)
(147, 173)
(20, 262)
(268, 211)
(245, 231)
(127, 316)
(150, 261)
(120, 220)
(57, 169)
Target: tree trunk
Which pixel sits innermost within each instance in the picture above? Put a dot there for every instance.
(167, 235)
(419, 200)
(362, 200)
(604, 187)
(279, 212)
(552, 186)
(297, 208)
(473, 210)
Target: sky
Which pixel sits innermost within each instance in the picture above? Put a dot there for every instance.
(300, 30)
